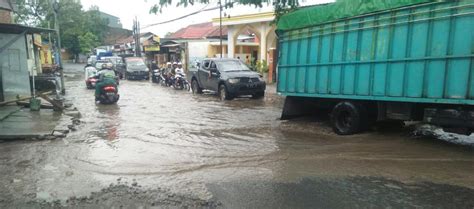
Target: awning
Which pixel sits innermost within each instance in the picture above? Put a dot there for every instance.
(17, 29)
(171, 45)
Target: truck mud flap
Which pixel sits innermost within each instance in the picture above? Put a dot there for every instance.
(300, 106)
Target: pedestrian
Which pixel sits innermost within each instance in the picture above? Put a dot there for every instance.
(247, 60)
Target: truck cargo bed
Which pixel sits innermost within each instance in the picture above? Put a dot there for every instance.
(419, 53)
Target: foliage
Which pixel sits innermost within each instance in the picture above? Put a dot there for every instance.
(168, 34)
(262, 66)
(73, 21)
(281, 6)
(32, 12)
(87, 42)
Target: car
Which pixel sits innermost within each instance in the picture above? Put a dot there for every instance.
(229, 77)
(118, 65)
(91, 60)
(136, 69)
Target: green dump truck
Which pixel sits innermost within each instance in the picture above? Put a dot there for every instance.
(370, 61)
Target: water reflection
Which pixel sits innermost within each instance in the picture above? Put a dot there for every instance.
(109, 127)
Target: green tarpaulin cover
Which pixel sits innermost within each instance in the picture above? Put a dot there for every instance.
(318, 14)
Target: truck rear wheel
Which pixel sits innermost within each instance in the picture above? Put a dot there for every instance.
(349, 118)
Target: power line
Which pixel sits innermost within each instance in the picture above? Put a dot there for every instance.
(182, 17)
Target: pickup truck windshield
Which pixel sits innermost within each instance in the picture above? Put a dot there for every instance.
(115, 60)
(135, 64)
(232, 65)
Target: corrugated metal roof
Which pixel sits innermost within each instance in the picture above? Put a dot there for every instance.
(6, 4)
(16, 28)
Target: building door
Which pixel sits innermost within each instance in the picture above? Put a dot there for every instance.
(15, 77)
(254, 57)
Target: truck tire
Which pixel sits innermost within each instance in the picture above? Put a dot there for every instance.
(223, 93)
(195, 87)
(349, 118)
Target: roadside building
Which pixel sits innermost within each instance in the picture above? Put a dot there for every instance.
(112, 21)
(122, 42)
(6, 11)
(19, 59)
(198, 38)
(114, 39)
(263, 47)
(199, 41)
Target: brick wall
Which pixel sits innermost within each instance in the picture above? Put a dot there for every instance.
(5, 16)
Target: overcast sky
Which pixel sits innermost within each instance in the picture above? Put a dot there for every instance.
(126, 10)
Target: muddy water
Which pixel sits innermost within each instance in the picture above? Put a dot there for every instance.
(166, 137)
(198, 146)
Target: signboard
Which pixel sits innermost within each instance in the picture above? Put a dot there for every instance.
(37, 39)
(156, 39)
(152, 48)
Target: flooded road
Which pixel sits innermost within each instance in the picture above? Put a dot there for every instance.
(162, 147)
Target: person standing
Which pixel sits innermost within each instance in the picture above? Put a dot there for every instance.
(247, 60)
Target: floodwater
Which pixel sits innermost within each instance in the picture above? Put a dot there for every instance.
(235, 154)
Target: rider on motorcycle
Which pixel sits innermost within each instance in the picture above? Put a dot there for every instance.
(172, 73)
(173, 69)
(166, 70)
(179, 69)
(106, 77)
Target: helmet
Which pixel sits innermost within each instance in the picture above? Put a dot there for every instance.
(175, 63)
(105, 65)
(179, 63)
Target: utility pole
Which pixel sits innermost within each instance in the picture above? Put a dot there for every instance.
(56, 24)
(220, 27)
(136, 31)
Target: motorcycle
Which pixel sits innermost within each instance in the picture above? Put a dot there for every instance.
(165, 79)
(91, 82)
(155, 76)
(180, 82)
(90, 75)
(109, 95)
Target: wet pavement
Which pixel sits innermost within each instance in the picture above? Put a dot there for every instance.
(159, 147)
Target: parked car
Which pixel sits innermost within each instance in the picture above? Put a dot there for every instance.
(91, 60)
(229, 77)
(136, 69)
(118, 64)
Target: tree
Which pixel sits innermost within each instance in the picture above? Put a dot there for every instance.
(87, 42)
(281, 6)
(73, 21)
(32, 12)
(168, 34)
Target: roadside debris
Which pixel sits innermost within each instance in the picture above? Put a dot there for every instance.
(439, 133)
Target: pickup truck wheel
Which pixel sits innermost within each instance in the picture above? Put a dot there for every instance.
(223, 93)
(348, 118)
(195, 87)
